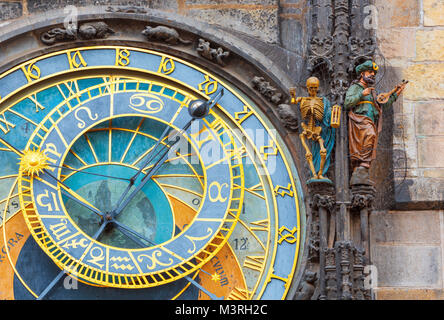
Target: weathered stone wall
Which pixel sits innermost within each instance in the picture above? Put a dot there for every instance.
(407, 246)
(275, 27)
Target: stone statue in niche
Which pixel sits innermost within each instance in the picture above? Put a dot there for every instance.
(365, 118)
(320, 120)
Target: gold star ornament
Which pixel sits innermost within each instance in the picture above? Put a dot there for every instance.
(215, 277)
(33, 162)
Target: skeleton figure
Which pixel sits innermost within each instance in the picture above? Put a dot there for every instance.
(316, 113)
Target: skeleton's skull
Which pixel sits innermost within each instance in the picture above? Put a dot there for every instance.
(312, 86)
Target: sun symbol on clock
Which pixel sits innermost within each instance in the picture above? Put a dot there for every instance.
(33, 162)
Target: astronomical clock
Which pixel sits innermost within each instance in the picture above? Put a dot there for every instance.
(128, 173)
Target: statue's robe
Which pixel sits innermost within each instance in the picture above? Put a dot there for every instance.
(364, 123)
(328, 135)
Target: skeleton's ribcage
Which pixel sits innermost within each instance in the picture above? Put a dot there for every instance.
(309, 110)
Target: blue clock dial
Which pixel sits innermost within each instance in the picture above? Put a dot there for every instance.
(135, 193)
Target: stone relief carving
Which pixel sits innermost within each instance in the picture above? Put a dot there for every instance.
(267, 90)
(164, 34)
(127, 9)
(217, 55)
(288, 117)
(87, 31)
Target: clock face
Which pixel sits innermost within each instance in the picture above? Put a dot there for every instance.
(108, 176)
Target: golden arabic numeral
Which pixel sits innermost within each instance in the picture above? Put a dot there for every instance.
(270, 150)
(32, 72)
(209, 86)
(76, 60)
(122, 57)
(166, 66)
(283, 191)
(48, 205)
(241, 116)
(287, 235)
(6, 123)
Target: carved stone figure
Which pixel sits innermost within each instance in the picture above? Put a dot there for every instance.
(130, 9)
(217, 55)
(165, 34)
(267, 90)
(87, 31)
(365, 116)
(288, 117)
(95, 30)
(307, 288)
(317, 127)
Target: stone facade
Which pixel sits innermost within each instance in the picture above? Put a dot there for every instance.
(407, 246)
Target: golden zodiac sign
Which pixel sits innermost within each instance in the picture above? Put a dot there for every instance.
(52, 149)
(40, 198)
(219, 190)
(122, 266)
(193, 239)
(60, 229)
(83, 243)
(154, 259)
(96, 258)
(289, 237)
(151, 102)
(81, 125)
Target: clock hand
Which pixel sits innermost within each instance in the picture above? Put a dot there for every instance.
(145, 179)
(61, 273)
(121, 227)
(197, 109)
(91, 173)
(75, 196)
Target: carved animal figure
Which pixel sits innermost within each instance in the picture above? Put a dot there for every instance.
(162, 33)
(87, 31)
(95, 30)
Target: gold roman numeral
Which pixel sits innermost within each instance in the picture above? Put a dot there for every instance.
(254, 262)
(6, 124)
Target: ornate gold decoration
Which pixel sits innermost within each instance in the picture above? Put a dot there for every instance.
(33, 162)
